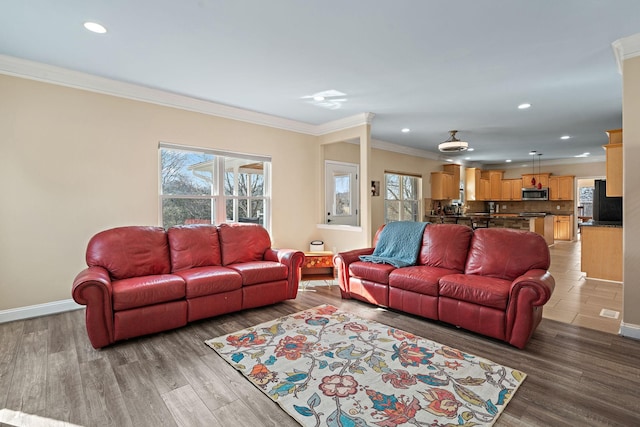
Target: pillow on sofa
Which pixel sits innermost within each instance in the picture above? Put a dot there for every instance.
(243, 242)
(194, 246)
(130, 251)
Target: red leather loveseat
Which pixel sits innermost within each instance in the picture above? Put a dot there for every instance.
(143, 280)
(493, 281)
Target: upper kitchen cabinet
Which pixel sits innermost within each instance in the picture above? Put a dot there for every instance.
(512, 189)
(441, 183)
(561, 187)
(472, 187)
(542, 178)
(614, 163)
(495, 183)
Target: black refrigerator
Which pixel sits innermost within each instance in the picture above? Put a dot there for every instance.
(605, 208)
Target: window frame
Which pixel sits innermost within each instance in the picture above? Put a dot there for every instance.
(217, 193)
(402, 200)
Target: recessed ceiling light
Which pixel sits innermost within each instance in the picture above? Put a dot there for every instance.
(524, 106)
(467, 158)
(508, 161)
(95, 27)
(583, 155)
(449, 160)
(405, 130)
(470, 149)
(565, 137)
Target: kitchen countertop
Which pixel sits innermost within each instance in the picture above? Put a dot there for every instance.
(592, 223)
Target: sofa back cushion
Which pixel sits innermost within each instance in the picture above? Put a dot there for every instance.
(194, 246)
(130, 251)
(506, 253)
(445, 246)
(243, 242)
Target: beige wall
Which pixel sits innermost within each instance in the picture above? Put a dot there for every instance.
(75, 162)
(631, 201)
(380, 162)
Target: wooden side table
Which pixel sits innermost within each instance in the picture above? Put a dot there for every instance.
(317, 266)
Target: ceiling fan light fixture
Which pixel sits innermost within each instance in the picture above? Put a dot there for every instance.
(453, 144)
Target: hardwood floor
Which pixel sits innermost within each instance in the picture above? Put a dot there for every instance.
(578, 300)
(48, 369)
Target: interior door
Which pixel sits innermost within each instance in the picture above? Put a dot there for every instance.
(341, 195)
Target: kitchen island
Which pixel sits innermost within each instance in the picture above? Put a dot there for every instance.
(601, 252)
(537, 222)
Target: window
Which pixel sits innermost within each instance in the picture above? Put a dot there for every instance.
(402, 197)
(200, 186)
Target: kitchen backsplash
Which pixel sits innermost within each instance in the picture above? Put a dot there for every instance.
(564, 207)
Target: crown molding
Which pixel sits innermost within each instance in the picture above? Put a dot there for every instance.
(625, 48)
(401, 149)
(23, 68)
(345, 123)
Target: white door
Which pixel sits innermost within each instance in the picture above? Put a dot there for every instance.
(341, 184)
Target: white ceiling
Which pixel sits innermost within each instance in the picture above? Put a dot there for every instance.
(428, 65)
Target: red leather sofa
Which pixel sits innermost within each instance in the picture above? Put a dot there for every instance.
(143, 280)
(493, 281)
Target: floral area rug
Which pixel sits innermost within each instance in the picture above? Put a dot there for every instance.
(327, 367)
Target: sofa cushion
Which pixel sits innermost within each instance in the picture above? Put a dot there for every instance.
(260, 272)
(481, 290)
(373, 272)
(445, 246)
(130, 252)
(421, 279)
(202, 281)
(146, 290)
(194, 246)
(243, 242)
(506, 253)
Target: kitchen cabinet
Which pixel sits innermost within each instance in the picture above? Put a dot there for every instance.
(441, 183)
(472, 177)
(543, 178)
(563, 227)
(453, 169)
(511, 189)
(445, 184)
(485, 189)
(495, 183)
(614, 163)
(561, 187)
(601, 252)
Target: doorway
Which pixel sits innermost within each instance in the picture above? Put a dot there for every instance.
(341, 195)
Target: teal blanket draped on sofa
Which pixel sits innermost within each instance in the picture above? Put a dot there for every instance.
(398, 244)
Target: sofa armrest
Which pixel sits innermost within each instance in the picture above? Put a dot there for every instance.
(541, 282)
(527, 295)
(92, 287)
(293, 259)
(341, 261)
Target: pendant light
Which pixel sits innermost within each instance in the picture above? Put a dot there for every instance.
(539, 183)
(533, 168)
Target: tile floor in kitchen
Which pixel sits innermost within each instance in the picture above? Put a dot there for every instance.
(578, 300)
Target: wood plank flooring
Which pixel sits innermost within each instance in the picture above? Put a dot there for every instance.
(48, 369)
(576, 299)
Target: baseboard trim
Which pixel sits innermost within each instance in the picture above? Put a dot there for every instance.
(630, 331)
(38, 310)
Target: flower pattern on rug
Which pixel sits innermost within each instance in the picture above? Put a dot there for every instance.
(327, 367)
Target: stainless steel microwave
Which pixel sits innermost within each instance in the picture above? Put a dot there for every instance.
(535, 193)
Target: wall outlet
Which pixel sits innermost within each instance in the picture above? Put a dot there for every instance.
(504, 207)
(558, 207)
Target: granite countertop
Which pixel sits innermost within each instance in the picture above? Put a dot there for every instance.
(592, 223)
